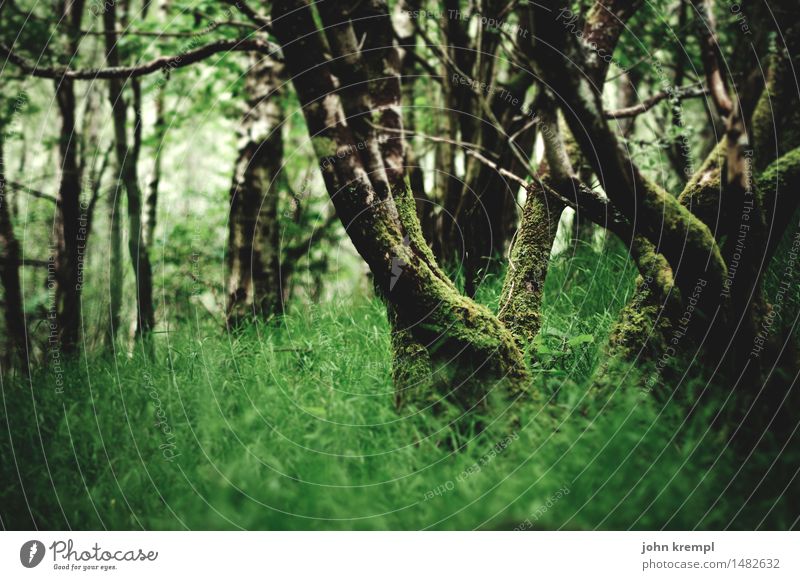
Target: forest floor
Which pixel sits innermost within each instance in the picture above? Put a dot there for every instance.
(291, 426)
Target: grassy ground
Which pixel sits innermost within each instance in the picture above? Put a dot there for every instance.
(292, 427)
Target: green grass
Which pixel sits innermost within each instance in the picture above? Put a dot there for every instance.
(291, 426)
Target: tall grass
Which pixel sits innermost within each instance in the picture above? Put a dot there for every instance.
(290, 425)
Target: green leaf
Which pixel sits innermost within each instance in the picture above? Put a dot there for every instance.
(320, 412)
(580, 339)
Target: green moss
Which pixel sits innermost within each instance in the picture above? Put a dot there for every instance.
(680, 232)
(521, 300)
(701, 193)
(653, 267)
(324, 147)
(411, 367)
(470, 351)
(640, 333)
(776, 119)
(781, 175)
(407, 212)
(639, 325)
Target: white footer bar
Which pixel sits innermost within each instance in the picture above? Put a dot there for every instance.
(401, 555)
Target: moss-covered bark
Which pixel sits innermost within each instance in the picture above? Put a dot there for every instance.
(521, 299)
(776, 119)
(645, 321)
(468, 351)
(701, 195)
(471, 353)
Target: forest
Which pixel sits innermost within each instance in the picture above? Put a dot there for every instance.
(399, 264)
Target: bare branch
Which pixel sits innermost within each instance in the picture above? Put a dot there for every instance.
(25, 262)
(33, 192)
(177, 34)
(586, 200)
(262, 21)
(163, 63)
(682, 93)
(709, 52)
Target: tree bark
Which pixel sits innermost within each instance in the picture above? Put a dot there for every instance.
(151, 201)
(115, 270)
(128, 173)
(66, 272)
(254, 283)
(471, 352)
(16, 352)
(521, 300)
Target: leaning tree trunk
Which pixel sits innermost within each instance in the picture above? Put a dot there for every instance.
(16, 331)
(254, 283)
(528, 262)
(362, 162)
(126, 161)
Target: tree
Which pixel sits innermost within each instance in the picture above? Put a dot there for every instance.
(16, 327)
(127, 159)
(253, 255)
(357, 133)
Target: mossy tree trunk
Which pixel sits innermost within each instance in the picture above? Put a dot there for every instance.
(705, 251)
(362, 161)
(528, 262)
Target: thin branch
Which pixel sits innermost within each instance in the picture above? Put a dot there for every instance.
(597, 208)
(424, 64)
(262, 21)
(479, 95)
(682, 93)
(163, 63)
(710, 55)
(177, 34)
(34, 192)
(26, 262)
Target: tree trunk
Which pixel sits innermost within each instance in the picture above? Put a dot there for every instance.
(521, 300)
(151, 202)
(16, 351)
(115, 271)
(126, 160)
(160, 133)
(66, 267)
(254, 283)
(363, 169)
(67, 263)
